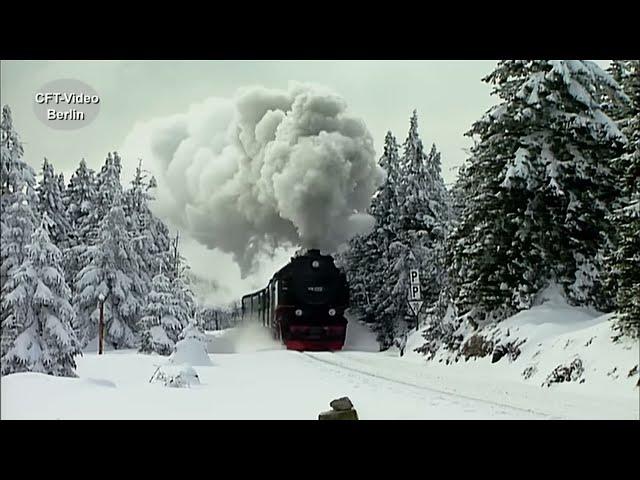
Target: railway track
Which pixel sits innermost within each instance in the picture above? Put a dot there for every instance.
(417, 386)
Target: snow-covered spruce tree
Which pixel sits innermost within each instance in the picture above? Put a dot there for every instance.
(537, 189)
(151, 236)
(80, 200)
(108, 188)
(442, 328)
(180, 287)
(17, 219)
(17, 193)
(160, 325)
(364, 260)
(624, 260)
(424, 214)
(38, 299)
(422, 203)
(17, 226)
(50, 201)
(114, 272)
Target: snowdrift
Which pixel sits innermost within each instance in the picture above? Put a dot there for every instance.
(190, 351)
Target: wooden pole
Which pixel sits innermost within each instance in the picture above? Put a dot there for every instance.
(101, 329)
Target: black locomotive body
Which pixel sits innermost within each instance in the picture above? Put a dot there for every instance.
(304, 304)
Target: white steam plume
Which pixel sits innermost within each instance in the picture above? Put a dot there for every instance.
(266, 168)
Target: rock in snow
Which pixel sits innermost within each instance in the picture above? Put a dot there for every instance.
(342, 410)
(341, 404)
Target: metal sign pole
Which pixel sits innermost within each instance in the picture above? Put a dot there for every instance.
(415, 302)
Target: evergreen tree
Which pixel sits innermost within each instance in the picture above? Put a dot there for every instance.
(15, 173)
(17, 219)
(50, 201)
(364, 262)
(114, 273)
(161, 327)
(17, 227)
(537, 189)
(179, 280)
(624, 261)
(38, 299)
(80, 200)
(151, 236)
(412, 212)
(424, 212)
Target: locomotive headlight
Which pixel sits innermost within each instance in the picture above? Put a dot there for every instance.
(315, 264)
(298, 313)
(332, 312)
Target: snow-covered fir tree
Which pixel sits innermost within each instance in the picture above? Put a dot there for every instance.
(17, 219)
(107, 189)
(424, 212)
(50, 201)
(151, 236)
(412, 212)
(365, 258)
(537, 189)
(423, 215)
(114, 273)
(624, 260)
(17, 196)
(37, 296)
(80, 200)
(180, 286)
(160, 325)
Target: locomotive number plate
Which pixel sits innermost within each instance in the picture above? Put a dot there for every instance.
(316, 289)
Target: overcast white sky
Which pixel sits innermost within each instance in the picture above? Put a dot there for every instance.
(449, 96)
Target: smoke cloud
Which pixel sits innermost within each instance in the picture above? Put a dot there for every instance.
(265, 169)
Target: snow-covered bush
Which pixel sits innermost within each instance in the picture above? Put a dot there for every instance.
(176, 376)
(154, 339)
(477, 346)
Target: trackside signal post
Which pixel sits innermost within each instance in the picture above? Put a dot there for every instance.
(415, 302)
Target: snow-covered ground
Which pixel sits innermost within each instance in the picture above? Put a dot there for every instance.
(275, 384)
(251, 377)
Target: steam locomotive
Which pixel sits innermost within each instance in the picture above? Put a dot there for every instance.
(304, 303)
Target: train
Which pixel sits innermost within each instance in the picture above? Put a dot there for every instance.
(304, 304)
